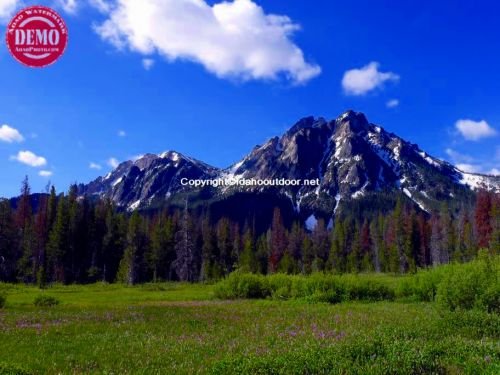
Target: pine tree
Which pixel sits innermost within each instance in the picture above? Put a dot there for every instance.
(59, 243)
(294, 247)
(423, 257)
(336, 260)
(132, 264)
(278, 240)
(367, 264)
(308, 254)
(262, 254)
(377, 240)
(185, 263)
(224, 244)
(354, 255)
(7, 242)
(495, 225)
(483, 219)
(321, 245)
(248, 260)
(210, 268)
(436, 240)
(27, 243)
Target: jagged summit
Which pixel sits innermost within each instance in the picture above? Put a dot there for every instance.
(352, 158)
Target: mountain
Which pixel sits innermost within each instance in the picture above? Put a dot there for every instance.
(355, 162)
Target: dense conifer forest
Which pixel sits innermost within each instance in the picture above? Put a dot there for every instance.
(73, 239)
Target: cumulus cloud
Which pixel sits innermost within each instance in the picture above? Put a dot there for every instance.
(232, 39)
(45, 173)
(29, 158)
(494, 171)
(467, 163)
(363, 80)
(470, 168)
(95, 166)
(148, 63)
(113, 162)
(9, 134)
(122, 133)
(393, 103)
(69, 6)
(7, 8)
(457, 157)
(101, 5)
(474, 130)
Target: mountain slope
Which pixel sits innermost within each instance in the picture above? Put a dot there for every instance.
(352, 159)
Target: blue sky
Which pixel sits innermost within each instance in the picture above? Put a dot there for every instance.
(212, 79)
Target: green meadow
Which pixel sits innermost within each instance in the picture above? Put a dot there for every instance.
(321, 324)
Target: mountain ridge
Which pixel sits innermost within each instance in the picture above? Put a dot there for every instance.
(351, 157)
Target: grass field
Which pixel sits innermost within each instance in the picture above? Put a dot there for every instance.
(181, 328)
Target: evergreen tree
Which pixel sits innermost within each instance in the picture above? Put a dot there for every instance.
(367, 264)
(132, 264)
(185, 263)
(224, 244)
(210, 268)
(248, 260)
(354, 255)
(321, 245)
(278, 240)
(262, 254)
(336, 260)
(59, 243)
(483, 218)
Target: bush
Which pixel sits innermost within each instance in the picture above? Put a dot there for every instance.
(242, 285)
(363, 289)
(46, 301)
(423, 286)
(2, 301)
(471, 285)
(317, 287)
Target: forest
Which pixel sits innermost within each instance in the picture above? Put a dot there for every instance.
(73, 239)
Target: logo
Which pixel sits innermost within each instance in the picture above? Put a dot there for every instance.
(37, 36)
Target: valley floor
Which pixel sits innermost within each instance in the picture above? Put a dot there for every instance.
(181, 329)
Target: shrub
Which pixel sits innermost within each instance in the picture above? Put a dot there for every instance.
(2, 301)
(317, 287)
(423, 286)
(490, 300)
(471, 285)
(45, 301)
(242, 285)
(367, 290)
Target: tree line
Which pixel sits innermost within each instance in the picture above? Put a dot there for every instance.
(73, 239)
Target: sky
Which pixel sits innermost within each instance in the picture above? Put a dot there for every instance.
(212, 79)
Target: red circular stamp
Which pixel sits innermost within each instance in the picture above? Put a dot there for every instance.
(37, 36)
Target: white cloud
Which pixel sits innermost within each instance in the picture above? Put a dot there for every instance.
(469, 164)
(457, 157)
(69, 6)
(45, 173)
(10, 135)
(234, 39)
(363, 80)
(113, 162)
(29, 158)
(393, 103)
(101, 5)
(148, 63)
(95, 166)
(7, 8)
(474, 130)
(470, 168)
(494, 172)
(122, 133)
(136, 157)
